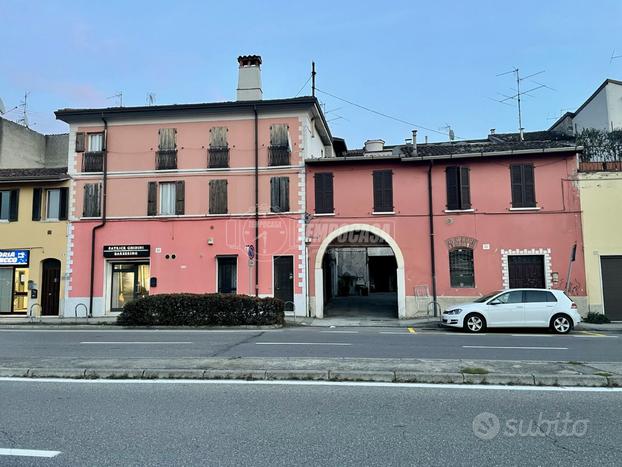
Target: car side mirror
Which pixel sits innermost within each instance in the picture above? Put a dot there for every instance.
(494, 302)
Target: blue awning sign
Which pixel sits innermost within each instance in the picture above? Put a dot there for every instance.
(14, 257)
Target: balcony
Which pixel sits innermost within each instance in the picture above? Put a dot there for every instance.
(166, 160)
(600, 166)
(278, 155)
(218, 158)
(93, 161)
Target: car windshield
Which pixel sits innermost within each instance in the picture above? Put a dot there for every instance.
(487, 297)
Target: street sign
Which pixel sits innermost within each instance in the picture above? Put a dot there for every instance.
(14, 257)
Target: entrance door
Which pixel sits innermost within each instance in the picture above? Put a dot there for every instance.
(611, 267)
(50, 287)
(6, 290)
(526, 271)
(227, 274)
(284, 280)
(129, 282)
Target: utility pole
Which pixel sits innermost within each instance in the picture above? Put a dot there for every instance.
(313, 79)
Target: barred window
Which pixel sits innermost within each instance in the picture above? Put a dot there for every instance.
(461, 272)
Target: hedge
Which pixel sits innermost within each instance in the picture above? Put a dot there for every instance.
(202, 310)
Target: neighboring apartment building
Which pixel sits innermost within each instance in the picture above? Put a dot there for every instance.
(401, 228)
(33, 221)
(191, 198)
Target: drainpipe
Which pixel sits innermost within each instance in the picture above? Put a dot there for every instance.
(256, 201)
(103, 222)
(431, 222)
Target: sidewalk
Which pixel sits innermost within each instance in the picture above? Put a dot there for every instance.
(432, 371)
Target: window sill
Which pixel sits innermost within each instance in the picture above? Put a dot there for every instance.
(459, 210)
(323, 214)
(531, 208)
(4, 221)
(383, 213)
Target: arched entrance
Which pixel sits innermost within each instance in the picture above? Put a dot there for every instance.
(322, 276)
(50, 287)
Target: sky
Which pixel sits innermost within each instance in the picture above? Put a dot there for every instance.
(433, 64)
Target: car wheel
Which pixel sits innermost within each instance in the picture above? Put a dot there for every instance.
(474, 323)
(561, 324)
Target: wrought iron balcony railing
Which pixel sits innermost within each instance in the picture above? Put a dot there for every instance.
(278, 155)
(218, 158)
(93, 161)
(166, 160)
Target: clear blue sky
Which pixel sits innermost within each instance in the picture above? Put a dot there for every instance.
(431, 63)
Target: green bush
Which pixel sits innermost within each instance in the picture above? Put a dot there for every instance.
(596, 318)
(202, 310)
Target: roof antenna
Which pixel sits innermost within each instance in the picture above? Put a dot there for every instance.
(518, 94)
(151, 98)
(614, 56)
(450, 132)
(313, 73)
(119, 97)
(24, 106)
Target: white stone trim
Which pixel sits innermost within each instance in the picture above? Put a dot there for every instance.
(505, 270)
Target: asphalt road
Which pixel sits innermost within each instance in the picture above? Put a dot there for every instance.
(207, 423)
(24, 344)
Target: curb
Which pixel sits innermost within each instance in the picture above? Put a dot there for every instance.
(318, 375)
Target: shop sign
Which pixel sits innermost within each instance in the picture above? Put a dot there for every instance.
(14, 257)
(127, 251)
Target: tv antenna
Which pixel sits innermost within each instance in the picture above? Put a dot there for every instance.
(614, 56)
(450, 132)
(151, 98)
(23, 120)
(519, 93)
(119, 97)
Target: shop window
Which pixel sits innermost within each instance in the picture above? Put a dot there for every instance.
(461, 271)
(279, 194)
(130, 281)
(6, 290)
(9, 203)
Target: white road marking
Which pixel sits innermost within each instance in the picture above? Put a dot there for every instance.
(530, 335)
(28, 453)
(301, 343)
(135, 343)
(508, 347)
(340, 332)
(478, 387)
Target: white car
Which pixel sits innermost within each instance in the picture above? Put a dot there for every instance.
(513, 308)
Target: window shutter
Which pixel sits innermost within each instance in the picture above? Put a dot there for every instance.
(465, 188)
(62, 210)
(80, 138)
(324, 193)
(13, 205)
(223, 196)
(383, 191)
(152, 199)
(328, 193)
(529, 191)
(179, 198)
(284, 194)
(517, 186)
(377, 192)
(86, 200)
(36, 204)
(218, 197)
(212, 197)
(453, 192)
(274, 194)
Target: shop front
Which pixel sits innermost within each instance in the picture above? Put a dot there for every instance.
(127, 273)
(14, 282)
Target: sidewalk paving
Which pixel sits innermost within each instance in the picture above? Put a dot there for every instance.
(501, 372)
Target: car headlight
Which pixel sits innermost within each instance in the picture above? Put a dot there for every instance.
(455, 311)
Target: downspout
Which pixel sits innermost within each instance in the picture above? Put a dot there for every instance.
(103, 222)
(256, 201)
(431, 222)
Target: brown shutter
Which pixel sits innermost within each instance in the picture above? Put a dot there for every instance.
(13, 205)
(453, 191)
(36, 204)
(284, 193)
(152, 199)
(86, 200)
(62, 211)
(465, 188)
(179, 198)
(218, 197)
(383, 191)
(529, 187)
(274, 194)
(80, 139)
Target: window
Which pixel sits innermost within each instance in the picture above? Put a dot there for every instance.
(92, 200)
(279, 150)
(96, 142)
(56, 204)
(227, 274)
(515, 296)
(93, 158)
(279, 194)
(538, 296)
(218, 148)
(324, 193)
(383, 191)
(458, 189)
(129, 282)
(166, 157)
(461, 272)
(171, 199)
(218, 197)
(9, 203)
(80, 146)
(523, 186)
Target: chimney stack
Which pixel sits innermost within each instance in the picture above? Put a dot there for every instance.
(249, 78)
(414, 142)
(492, 131)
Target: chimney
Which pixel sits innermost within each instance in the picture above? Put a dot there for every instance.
(249, 78)
(374, 145)
(522, 134)
(492, 131)
(414, 142)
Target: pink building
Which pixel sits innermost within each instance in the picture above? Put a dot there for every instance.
(395, 230)
(191, 198)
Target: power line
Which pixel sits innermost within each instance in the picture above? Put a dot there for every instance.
(383, 114)
(303, 86)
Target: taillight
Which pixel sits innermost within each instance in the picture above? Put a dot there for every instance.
(573, 306)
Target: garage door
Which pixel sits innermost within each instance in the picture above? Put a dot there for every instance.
(612, 286)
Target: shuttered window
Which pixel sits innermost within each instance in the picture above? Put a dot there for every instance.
(166, 157)
(523, 186)
(279, 194)
(80, 139)
(218, 197)
(218, 153)
(36, 204)
(458, 188)
(324, 193)
(9, 205)
(461, 270)
(167, 199)
(279, 150)
(96, 142)
(92, 200)
(167, 139)
(383, 191)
